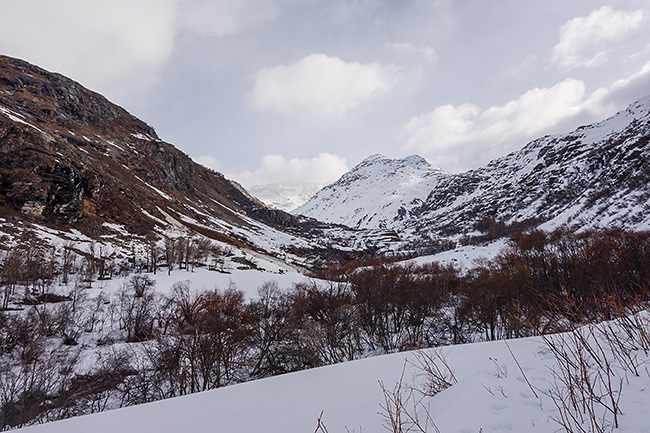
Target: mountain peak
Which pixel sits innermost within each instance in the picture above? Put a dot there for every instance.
(376, 186)
(412, 161)
(416, 161)
(374, 158)
(640, 108)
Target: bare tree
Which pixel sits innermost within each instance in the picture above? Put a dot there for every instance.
(170, 254)
(68, 261)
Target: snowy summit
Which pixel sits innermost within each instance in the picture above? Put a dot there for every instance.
(374, 192)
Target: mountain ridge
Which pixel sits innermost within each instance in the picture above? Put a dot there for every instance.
(596, 175)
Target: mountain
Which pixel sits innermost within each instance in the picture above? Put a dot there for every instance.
(72, 160)
(285, 196)
(595, 176)
(377, 193)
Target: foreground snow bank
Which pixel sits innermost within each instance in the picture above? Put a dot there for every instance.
(496, 391)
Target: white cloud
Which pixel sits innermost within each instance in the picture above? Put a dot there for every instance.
(457, 138)
(621, 93)
(586, 41)
(208, 161)
(321, 86)
(115, 47)
(276, 169)
(118, 48)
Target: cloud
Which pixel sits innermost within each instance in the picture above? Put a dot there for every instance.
(208, 161)
(586, 41)
(457, 138)
(276, 169)
(621, 93)
(115, 47)
(118, 48)
(320, 86)
(224, 17)
(428, 53)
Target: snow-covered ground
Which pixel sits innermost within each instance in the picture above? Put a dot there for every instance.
(493, 393)
(246, 280)
(494, 390)
(464, 257)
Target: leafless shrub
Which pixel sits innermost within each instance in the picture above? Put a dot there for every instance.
(594, 359)
(141, 284)
(434, 372)
(137, 313)
(320, 427)
(586, 386)
(30, 391)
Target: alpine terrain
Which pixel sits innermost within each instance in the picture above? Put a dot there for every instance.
(595, 176)
(150, 293)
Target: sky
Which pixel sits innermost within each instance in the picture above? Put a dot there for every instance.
(299, 91)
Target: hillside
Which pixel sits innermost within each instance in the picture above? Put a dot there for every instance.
(72, 160)
(595, 176)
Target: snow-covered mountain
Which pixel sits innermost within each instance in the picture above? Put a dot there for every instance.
(597, 175)
(377, 193)
(285, 196)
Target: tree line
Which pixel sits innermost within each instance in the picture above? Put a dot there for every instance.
(37, 267)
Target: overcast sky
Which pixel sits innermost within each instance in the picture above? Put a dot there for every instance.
(301, 90)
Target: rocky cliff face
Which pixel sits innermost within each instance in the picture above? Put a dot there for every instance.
(72, 157)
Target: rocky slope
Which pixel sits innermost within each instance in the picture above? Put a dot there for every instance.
(73, 160)
(597, 175)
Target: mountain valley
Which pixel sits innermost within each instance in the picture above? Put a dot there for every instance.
(131, 274)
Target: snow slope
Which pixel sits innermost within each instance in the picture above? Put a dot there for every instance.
(201, 279)
(464, 257)
(492, 394)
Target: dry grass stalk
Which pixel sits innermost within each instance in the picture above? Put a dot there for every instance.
(403, 412)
